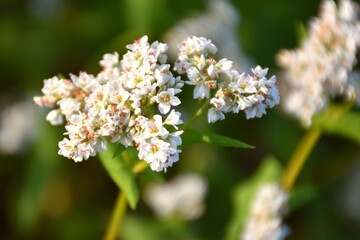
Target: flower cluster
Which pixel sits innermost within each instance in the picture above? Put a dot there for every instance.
(266, 213)
(322, 67)
(120, 104)
(131, 100)
(182, 196)
(234, 91)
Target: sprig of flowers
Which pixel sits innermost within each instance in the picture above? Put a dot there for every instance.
(266, 214)
(234, 91)
(322, 67)
(119, 105)
(131, 101)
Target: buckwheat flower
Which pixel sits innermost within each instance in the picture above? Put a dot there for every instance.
(321, 68)
(252, 94)
(183, 196)
(55, 117)
(109, 61)
(266, 213)
(117, 94)
(54, 89)
(173, 119)
(166, 99)
(69, 106)
(85, 82)
(156, 152)
(215, 113)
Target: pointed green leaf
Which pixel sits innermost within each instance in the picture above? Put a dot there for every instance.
(118, 150)
(301, 32)
(337, 120)
(120, 172)
(191, 136)
(269, 171)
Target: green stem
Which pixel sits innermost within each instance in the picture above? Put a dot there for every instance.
(299, 157)
(139, 167)
(117, 218)
(199, 112)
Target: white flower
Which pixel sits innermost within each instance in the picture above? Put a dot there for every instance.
(84, 81)
(53, 90)
(214, 115)
(266, 213)
(154, 152)
(166, 99)
(259, 72)
(255, 111)
(66, 148)
(173, 119)
(18, 123)
(109, 60)
(224, 65)
(69, 106)
(184, 196)
(55, 117)
(118, 95)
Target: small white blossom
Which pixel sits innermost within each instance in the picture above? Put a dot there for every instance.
(166, 99)
(110, 60)
(55, 117)
(173, 119)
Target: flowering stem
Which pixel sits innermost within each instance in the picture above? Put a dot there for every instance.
(199, 112)
(299, 157)
(116, 218)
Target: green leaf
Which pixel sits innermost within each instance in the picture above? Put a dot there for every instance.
(337, 120)
(140, 227)
(269, 171)
(120, 172)
(301, 32)
(191, 136)
(119, 149)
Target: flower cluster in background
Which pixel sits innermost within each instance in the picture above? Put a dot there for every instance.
(131, 101)
(235, 91)
(17, 127)
(322, 67)
(220, 24)
(183, 196)
(266, 214)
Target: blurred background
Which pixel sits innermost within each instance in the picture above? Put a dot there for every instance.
(45, 196)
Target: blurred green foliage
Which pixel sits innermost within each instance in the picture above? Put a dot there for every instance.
(45, 196)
